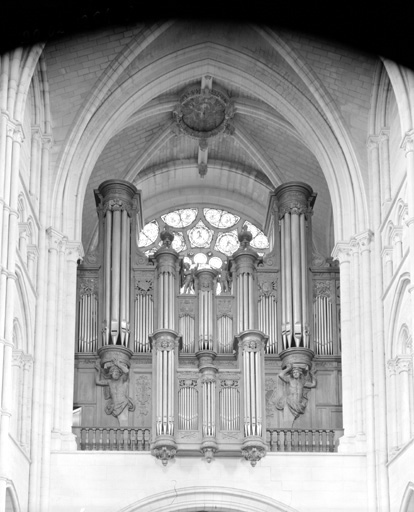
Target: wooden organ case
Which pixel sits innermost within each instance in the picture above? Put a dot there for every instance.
(203, 368)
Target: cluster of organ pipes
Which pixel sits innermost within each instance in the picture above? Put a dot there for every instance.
(188, 408)
(209, 416)
(186, 328)
(117, 276)
(229, 408)
(144, 322)
(167, 292)
(205, 305)
(322, 326)
(245, 301)
(294, 272)
(88, 323)
(165, 393)
(253, 393)
(225, 335)
(267, 314)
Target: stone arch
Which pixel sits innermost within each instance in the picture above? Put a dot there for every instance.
(400, 296)
(407, 503)
(348, 196)
(12, 501)
(206, 499)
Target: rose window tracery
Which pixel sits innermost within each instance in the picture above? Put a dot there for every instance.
(206, 236)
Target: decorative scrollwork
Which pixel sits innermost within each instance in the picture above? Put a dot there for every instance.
(322, 289)
(144, 284)
(267, 284)
(88, 286)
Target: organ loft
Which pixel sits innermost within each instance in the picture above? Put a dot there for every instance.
(198, 333)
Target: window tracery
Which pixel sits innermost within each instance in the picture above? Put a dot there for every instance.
(206, 236)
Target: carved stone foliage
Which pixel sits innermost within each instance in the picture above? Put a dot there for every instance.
(144, 284)
(224, 308)
(267, 284)
(188, 380)
(117, 204)
(322, 289)
(253, 454)
(88, 286)
(143, 395)
(229, 380)
(186, 307)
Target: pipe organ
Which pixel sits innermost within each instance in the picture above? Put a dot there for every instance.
(205, 361)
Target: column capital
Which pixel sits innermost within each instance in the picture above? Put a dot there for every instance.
(36, 133)
(364, 240)
(47, 141)
(342, 252)
(55, 238)
(373, 141)
(17, 358)
(384, 134)
(404, 363)
(392, 367)
(32, 251)
(24, 229)
(407, 143)
(74, 251)
(165, 339)
(251, 340)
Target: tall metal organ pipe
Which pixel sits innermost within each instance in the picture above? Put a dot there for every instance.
(294, 204)
(119, 209)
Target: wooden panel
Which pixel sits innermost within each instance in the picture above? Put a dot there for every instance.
(85, 392)
(141, 394)
(326, 389)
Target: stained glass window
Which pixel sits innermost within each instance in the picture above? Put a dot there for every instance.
(178, 244)
(200, 235)
(149, 234)
(227, 243)
(200, 258)
(212, 231)
(220, 218)
(180, 218)
(260, 240)
(215, 262)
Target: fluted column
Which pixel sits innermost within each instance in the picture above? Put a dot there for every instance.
(165, 345)
(251, 349)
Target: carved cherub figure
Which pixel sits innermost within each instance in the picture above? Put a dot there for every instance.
(187, 278)
(114, 375)
(297, 389)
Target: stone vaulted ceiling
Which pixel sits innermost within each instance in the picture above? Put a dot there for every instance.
(137, 78)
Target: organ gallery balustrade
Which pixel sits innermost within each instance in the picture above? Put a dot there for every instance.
(177, 356)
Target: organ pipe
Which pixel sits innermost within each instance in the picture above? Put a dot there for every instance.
(294, 203)
(251, 348)
(118, 206)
